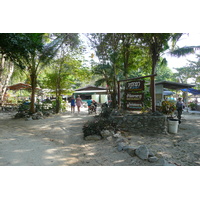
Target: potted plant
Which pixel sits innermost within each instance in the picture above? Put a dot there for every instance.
(168, 108)
(193, 106)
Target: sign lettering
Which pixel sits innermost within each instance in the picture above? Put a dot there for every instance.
(134, 106)
(135, 86)
(134, 97)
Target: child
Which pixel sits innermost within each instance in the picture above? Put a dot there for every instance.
(72, 104)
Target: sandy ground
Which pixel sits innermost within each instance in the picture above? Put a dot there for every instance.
(58, 141)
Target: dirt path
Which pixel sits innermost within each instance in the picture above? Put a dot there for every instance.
(58, 141)
(53, 141)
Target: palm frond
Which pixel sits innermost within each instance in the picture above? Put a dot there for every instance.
(184, 51)
(100, 82)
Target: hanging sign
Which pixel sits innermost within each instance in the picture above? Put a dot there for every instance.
(134, 105)
(134, 96)
(135, 85)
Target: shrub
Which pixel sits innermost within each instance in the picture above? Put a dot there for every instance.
(192, 106)
(105, 112)
(96, 126)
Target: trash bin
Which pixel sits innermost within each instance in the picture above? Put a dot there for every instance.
(173, 125)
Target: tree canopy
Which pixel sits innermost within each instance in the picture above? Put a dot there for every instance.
(56, 61)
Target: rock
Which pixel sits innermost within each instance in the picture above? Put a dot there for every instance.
(93, 137)
(28, 119)
(142, 152)
(46, 113)
(153, 159)
(109, 138)
(120, 139)
(39, 114)
(120, 146)
(106, 133)
(163, 162)
(117, 135)
(130, 150)
(19, 115)
(34, 117)
(157, 113)
(151, 154)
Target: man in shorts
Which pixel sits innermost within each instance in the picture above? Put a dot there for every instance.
(179, 107)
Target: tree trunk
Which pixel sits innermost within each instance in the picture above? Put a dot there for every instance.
(33, 90)
(114, 94)
(153, 92)
(6, 79)
(1, 76)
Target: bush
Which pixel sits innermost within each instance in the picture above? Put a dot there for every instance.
(193, 106)
(96, 126)
(105, 112)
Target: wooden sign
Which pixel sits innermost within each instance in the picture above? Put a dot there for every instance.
(135, 85)
(134, 96)
(131, 105)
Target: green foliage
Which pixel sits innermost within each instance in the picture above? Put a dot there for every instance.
(18, 45)
(147, 100)
(164, 72)
(105, 112)
(96, 126)
(178, 52)
(192, 105)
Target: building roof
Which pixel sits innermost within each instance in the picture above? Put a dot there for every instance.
(91, 91)
(174, 85)
(90, 87)
(20, 86)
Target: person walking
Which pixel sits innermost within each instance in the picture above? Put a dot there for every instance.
(79, 103)
(179, 107)
(72, 104)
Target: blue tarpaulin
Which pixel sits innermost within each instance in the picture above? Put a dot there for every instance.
(191, 90)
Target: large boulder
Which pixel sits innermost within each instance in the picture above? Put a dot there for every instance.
(142, 152)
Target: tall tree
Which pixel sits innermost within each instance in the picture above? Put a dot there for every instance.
(35, 51)
(157, 43)
(63, 74)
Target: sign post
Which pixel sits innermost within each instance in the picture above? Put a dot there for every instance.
(135, 100)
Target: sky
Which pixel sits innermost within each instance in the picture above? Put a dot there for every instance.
(191, 39)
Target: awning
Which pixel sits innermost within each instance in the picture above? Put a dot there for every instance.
(191, 90)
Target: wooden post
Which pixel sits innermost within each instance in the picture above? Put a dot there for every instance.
(153, 95)
(187, 100)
